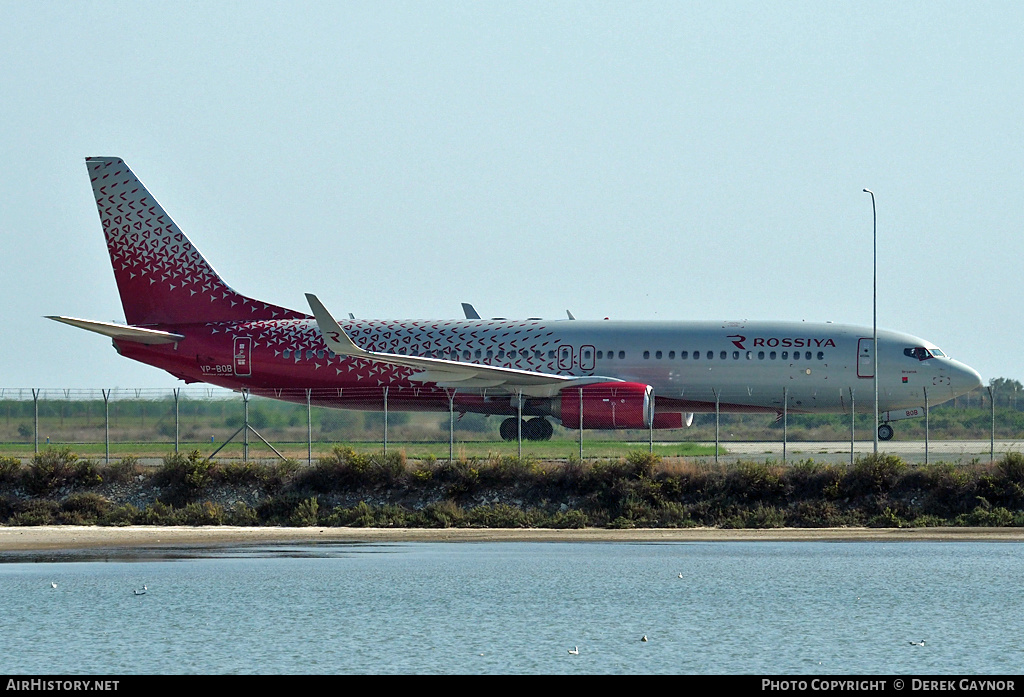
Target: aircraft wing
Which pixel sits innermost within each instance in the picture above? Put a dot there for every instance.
(121, 331)
(448, 373)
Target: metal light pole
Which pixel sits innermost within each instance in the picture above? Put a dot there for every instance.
(874, 302)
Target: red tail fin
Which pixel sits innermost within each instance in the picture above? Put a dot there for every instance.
(162, 278)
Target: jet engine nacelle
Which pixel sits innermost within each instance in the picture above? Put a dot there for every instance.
(607, 405)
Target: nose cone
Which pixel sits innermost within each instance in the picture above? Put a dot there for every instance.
(963, 379)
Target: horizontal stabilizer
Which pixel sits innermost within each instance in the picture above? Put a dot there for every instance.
(121, 331)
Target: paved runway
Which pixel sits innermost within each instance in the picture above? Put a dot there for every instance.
(958, 451)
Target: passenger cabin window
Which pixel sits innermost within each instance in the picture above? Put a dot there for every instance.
(671, 355)
(684, 354)
(711, 354)
(622, 354)
(647, 355)
(657, 354)
(723, 355)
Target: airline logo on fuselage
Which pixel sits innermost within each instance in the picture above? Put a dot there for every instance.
(739, 341)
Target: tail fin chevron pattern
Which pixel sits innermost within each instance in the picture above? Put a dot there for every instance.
(161, 277)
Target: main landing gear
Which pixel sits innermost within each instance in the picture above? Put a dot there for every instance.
(885, 432)
(534, 429)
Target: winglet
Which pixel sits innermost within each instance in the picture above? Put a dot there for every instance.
(334, 336)
(470, 311)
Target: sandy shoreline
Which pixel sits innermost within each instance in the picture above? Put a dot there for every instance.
(71, 537)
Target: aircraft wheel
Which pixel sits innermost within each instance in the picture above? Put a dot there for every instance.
(885, 432)
(508, 429)
(547, 430)
(538, 429)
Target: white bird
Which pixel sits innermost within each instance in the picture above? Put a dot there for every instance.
(53, 584)
(138, 592)
(680, 575)
(575, 650)
(915, 643)
(643, 638)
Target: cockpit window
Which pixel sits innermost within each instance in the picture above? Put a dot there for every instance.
(936, 352)
(918, 352)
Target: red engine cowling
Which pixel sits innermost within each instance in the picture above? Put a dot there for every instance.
(607, 405)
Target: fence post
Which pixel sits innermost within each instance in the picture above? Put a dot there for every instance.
(992, 439)
(385, 421)
(717, 421)
(451, 426)
(35, 419)
(106, 424)
(177, 390)
(581, 424)
(925, 425)
(309, 428)
(245, 426)
(785, 421)
(853, 424)
(519, 421)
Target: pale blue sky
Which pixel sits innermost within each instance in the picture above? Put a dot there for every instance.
(633, 160)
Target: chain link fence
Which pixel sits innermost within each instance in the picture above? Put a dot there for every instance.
(106, 424)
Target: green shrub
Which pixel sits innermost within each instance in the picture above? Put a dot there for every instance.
(498, 516)
(571, 519)
(759, 517)
(125, 470)
(755, 481)
(159, 513)
(344, 468)
(887, 519)
(442, 514)
(1012, 467)
(50, 470)
(875, 473)
(86, 508)
(306, 514)
(122, 515)
(184, 477)
(506, 469)
(641, 463)
(36, 512)
(242, 514)
(205, 513)
(997, 517)
(10, 470)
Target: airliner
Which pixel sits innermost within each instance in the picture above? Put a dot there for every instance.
(180, 316)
